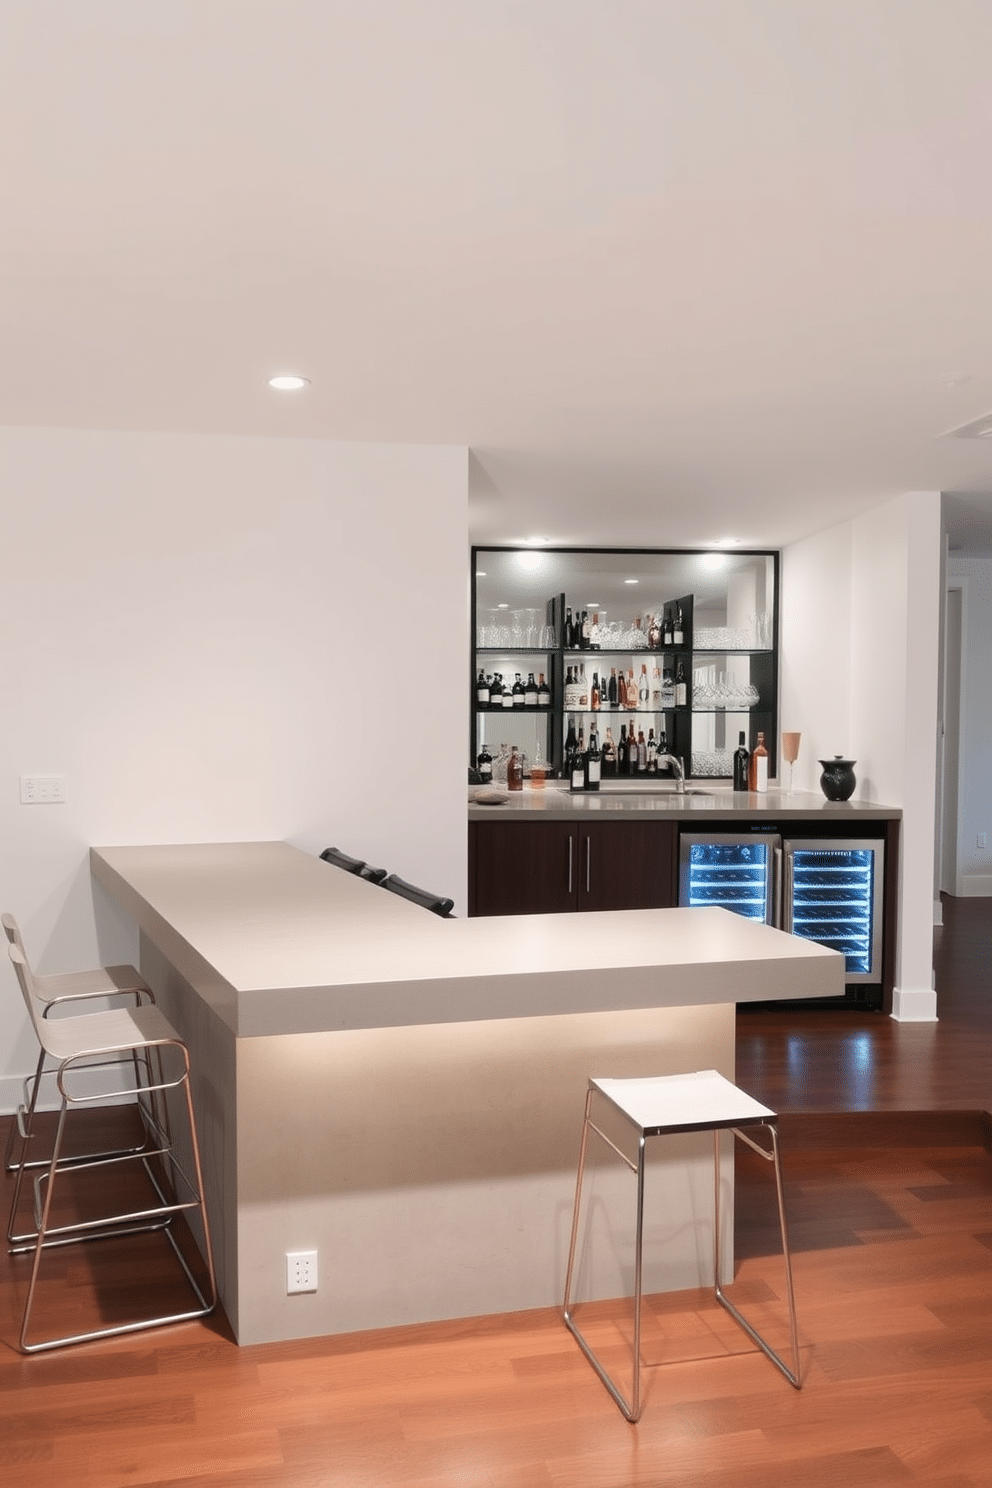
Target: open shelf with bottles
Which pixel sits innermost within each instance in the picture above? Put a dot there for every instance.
(695, 698)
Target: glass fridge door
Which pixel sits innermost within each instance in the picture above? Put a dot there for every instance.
(833, 895)
(736, 872)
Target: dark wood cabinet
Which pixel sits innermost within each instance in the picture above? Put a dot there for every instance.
(550, 867)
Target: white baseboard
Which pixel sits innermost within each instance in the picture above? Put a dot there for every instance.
(914, 1006)
(975, 886)
(938, 912)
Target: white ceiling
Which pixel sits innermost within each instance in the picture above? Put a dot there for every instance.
(672, 268)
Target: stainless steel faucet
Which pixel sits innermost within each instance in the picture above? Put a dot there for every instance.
(676, 764)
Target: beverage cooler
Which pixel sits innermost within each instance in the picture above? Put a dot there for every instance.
(823, 889)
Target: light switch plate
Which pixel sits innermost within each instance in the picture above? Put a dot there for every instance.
(42, 790)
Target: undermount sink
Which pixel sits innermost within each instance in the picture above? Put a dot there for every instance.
(650, 790)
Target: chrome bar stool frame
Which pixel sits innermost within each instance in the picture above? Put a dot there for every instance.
(729, 1109)
(142, 1036)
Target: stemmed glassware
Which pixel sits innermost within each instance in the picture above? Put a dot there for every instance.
(790, 753)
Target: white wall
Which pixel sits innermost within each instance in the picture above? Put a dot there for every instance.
(973, 576)
(210, 638)
(860, 627)
(816, 659)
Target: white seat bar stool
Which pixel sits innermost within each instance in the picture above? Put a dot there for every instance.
(140, 1036)
(664, 1105)
(52, 993)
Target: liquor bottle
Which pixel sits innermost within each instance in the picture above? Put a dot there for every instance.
(515, 771)
(623, 752)
(585, 631)
(611, 691)
(594, 694)
(667, 629)
(654, 634)
(681, 688)
(570, 740)
(517, 694)
(592, 762)
(656, 693)
(578, 769)
(571, 689)
(530, 692)
(643, 690)
(631, 691)
(583, 696)
(758, 771)
(507, 698)
(595, 636)
(642, 753)
(482, 691)
(539, 769)
(485, 765)
(678, 634)
(742, 760)
(543, 692)
(609, 762)
(652, 752)
(569, 629)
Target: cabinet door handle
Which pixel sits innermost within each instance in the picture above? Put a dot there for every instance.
(569, 865)
(588, 862)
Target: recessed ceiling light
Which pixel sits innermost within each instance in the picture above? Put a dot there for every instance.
(502, 606)
(632, 581)
(592, 604)
(727, 542)
(535, 542)
(288, 384)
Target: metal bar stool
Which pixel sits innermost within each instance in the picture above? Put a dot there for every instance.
(663, 1106)
(140, 1037)
(52, 994)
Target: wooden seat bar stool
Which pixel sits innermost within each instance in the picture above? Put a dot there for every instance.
(161, 1189)
(660, 1106)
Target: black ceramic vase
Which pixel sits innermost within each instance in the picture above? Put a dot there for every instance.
(838, 779)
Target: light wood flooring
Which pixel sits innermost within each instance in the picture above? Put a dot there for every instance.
(891, 1221)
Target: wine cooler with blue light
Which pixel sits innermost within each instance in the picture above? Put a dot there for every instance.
(825, 889)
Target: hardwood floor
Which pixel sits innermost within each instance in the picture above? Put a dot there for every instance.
(891, 1223)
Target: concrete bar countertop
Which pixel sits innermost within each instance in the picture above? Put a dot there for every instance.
(702, 801)
(278, 942)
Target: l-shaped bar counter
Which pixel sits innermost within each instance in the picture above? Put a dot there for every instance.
(403, 1094)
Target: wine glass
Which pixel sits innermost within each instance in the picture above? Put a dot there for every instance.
(790, 753)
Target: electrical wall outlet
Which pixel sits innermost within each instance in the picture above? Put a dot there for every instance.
(42, 790)
(301, 1271)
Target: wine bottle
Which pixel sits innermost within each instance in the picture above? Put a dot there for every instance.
(654, 634)
(594, 695)
(507, 698)
(642, 753)
(578, 772)
(485, 765)
(482, 691)
(530, 692)
(678, 633)
(585, 631)
(543, 692)
(623, 752)
(758, 770)
(611, 691)
(609, 762)
(681, 688)
(668, 688)
(595, 637)
(631, 691)
(569, 629)
(515, 771)
(667, 629)
(583, 696)
(496, 691)
(742, 760)
(517, 692)
(643, 690)
(652, 753)
(592, 762)
(656, 693)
